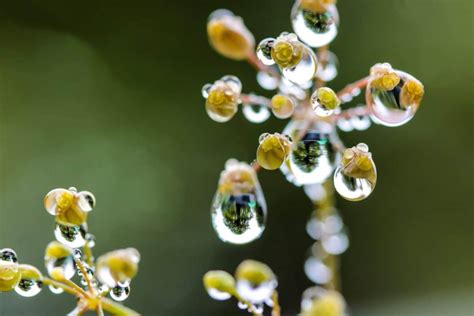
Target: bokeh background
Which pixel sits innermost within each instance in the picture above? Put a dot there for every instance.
(105, 96)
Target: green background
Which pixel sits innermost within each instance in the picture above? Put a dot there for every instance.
(105, 96)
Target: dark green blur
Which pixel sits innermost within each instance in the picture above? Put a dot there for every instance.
(105, 96)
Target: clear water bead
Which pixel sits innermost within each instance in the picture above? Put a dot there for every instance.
(315, 28)
(28, 287)
(55, 290)
(256, 294)
(256, 113)
(350, 188)
(238, 210)
(313, 158)
(327, 68)
(394, 106)
(66, 264)
(304, 70)
(267, 81)
(264, 51)
(71, 236)
(120, 293)
(218, 295)
(8, 255)
(317, 271)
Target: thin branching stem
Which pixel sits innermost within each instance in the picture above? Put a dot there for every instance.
(276, 310)
(252, 99)
(84, 275)
(259, 66)
(349, 89)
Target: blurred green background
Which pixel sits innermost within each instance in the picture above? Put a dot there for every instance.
(105, 96)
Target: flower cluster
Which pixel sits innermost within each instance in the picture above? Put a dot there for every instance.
(295, 67)
(70, 256)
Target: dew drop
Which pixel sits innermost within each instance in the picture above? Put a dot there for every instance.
(71, 236)
(351, 188)
(205, 90)
(264, 51)
(255, 113)
(344, 125)
(317, 271)
(55, 290)
(327, 70)
(218, 295)
(360, 123)
(66, 264)
(238, 210)
(242, 305)
(304, 70)
(313, 158)
(8, 255)
(315, 29)
(335, 244)
(267, 81)
(120, 293)
(397, 106)
(256, 294)
(90, 239)
(28, 287)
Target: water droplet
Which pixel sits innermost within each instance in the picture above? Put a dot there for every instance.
(317, 271)
(71, 236)
(397, 106)
(324, 101)
(267, 81)
(55, 290)
(255, 113)
(335, 244)
(28, 288)
(242, 305)
(218, 295)
(256, 294)
(258, 308)
(66, 264)
(120, 293)
(316, 192)
(86, 201)
(350, 188)
(77, 253)
(223, 98)
(344, 125)
(238, 209)
(291, 89)
(8, 255)
(313, 158)
(304, 70)
(315, 29)
(327, 70)
(360, 123)
(205, 90)
(264, 51)
(31, 281)
(90, 240)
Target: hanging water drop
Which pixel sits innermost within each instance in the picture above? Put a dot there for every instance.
(355, 179)
(304, 70)
(264, 49)
(71, 236)
(393, 96)
(313, 158)
(120, 293)
(31, 281)
(56, 290)
(316, 26)
(327, 68)
(324, 101)
(256, 282)
(267, 80)
(256, 113)
(59, 257)
(238, 209)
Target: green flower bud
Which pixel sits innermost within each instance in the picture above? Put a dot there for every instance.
(254, 272)
(220, 285)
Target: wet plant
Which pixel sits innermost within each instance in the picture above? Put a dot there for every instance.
(295, 68)
(70, 263)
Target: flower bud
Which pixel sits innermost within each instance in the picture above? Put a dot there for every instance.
(229, 36)
(9, 270)
(256, 282)
(282, 106)
(273, 150)
(331, 303)
(118, 266)
(69, 206)
(220, 285)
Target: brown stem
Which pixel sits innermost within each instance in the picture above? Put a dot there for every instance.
(359, 84)
(276, 310)
(356, 111)
(83, 270)
(253, 99)
(323, 58)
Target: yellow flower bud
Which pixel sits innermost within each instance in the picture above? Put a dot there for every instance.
(286, 53)
(325, 98)
(9, 275)
(118, 266)
(55, 250)
(357, 163)
(273, 150)
(69, 206)
(412, 93)
(254, 272)
(220, 281)
(282, 106)
(30, 272)
(384, 77)
(329, 304)
(229, 36)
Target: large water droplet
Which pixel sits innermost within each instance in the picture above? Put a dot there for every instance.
(256, 294)
(66, 264)
(317, 271)
(255, 113)
(28, 287)
(71, 236)
(304, 70)
(397, 106)
(315, 29)
(350, 188)
(120, 293)
(8, 255)
(313, 158)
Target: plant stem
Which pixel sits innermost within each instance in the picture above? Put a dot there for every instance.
(348, 90)
(276, 310)
(362, 110)
(88, 254)
(66, 288)
(323, 56)
(81, 267)
(117, 309)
